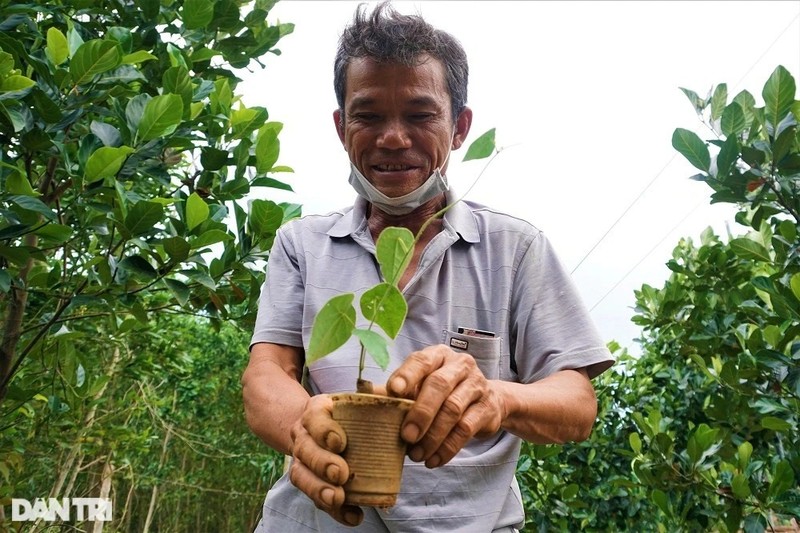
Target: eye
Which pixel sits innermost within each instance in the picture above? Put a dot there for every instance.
(365, 117)
(421, 117)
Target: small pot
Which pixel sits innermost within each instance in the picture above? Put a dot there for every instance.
(374, 451)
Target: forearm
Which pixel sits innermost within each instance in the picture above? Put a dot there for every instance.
(273, 397)
(557, 409)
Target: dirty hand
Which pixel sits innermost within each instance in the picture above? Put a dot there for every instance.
(454, 402)
(317, 469)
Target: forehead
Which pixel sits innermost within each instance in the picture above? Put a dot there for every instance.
(369, 80)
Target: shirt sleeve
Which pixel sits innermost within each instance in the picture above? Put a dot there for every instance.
(280, 307)
(552, 329)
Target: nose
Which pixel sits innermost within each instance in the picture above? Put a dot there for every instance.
(394, 136)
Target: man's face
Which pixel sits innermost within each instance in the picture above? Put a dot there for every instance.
(397, 126)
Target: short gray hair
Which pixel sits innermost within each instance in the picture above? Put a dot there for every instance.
(388, 36)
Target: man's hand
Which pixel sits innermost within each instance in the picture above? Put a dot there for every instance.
(317, 469)
(454, 403)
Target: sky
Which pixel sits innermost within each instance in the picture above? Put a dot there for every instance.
(584, 97)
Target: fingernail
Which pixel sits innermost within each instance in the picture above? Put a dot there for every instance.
(332, 473)
(416, 453)
(411, 433)
(398, 385)
(327, 496)
(333, 441)
(352, 518)
(434, 461)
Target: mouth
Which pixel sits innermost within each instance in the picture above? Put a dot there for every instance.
(392, 167)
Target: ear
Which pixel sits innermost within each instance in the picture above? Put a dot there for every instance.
(338, 120)
(463, 123)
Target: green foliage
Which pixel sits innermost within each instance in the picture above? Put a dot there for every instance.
(127, 160)
(719, 446)
(700, 432)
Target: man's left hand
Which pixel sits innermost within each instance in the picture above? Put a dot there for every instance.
(454, 403)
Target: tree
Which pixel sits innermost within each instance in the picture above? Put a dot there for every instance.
(725, 329)
(700, 432)
(126, 166)
(125, 157)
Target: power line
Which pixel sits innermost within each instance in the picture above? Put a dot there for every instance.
(653, 249)
(625, 212)
(645, 189)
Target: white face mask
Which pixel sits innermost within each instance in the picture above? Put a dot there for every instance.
(435, 185)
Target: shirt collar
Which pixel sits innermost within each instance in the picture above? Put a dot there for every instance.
(458, 219)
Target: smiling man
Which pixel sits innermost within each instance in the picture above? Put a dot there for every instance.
(497, 346)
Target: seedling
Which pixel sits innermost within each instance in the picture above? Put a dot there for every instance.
(384, 304)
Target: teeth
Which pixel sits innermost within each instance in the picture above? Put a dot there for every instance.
(392, 167)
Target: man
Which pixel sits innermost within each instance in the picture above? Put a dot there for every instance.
(497, 346)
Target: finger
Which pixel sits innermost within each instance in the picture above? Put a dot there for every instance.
(318, 421)
(406, 380)
(326, 497)
(436, 390)
(448, 420)
(325, 465)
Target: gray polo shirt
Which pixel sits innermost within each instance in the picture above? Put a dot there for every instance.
(485, 270)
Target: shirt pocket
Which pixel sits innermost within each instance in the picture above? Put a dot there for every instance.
(485, 350)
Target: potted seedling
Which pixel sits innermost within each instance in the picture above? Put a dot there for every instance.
(375, 451)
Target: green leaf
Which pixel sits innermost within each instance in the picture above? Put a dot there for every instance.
(698, 103)
(197, 13)
(750, 249)
(727, 156)
(782, 479)
(692, 148)
(733, 120)
(161, 116)
(138, 265)
(795, 284)
(210, 237)
(179, 290)
(176, 248)
(5, 281)
(57, 49)
(139, 56)
(636, 442)
(265, 217)
(16, 83)
(196, 211)
(105, 162)
(740, 486)
(108, 134)
(332, 327)
(268, 148)
(482, 147)
(33, 204)
(92, 58)
(16, 183)
(375, 345)
(384, 304)
(394, 249)
(245, 121)
(719, 100)
(778, 94)
(143, 216)
(743, 453)
(776, 424)
(55, 232)
(659, 497)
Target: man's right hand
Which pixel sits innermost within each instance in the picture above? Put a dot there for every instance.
(317, 468)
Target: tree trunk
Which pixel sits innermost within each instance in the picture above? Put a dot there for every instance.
(154, 494)
(105, 490)
(12, 326)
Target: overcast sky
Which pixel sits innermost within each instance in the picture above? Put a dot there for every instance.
(584, 95)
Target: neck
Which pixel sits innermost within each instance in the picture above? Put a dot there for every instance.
(378, 220)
